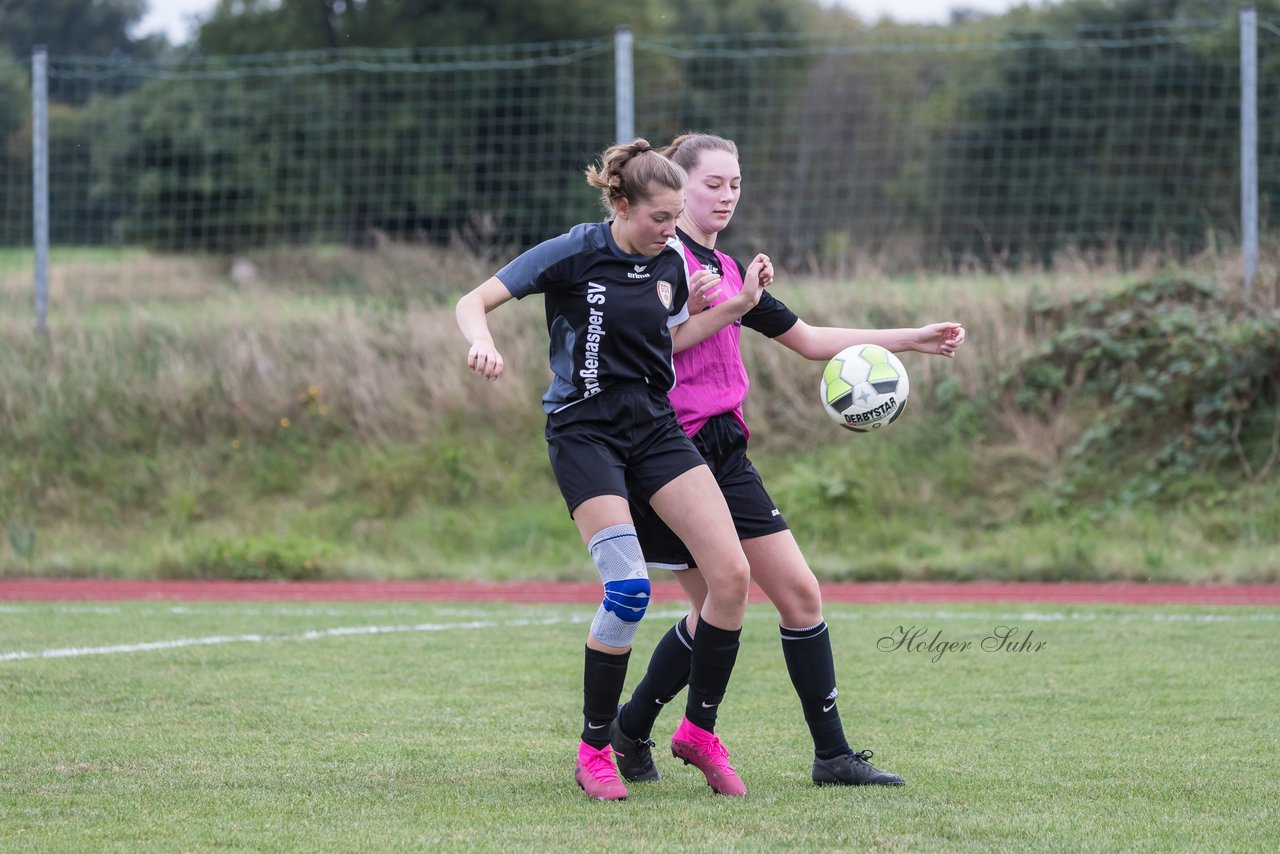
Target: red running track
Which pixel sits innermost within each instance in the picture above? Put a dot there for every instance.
(1112, 593)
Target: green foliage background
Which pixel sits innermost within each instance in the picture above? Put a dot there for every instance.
(1097, 426)
(1181, 371)
(996, 141)
(315, 422)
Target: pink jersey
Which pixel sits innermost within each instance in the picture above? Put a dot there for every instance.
(710, 377)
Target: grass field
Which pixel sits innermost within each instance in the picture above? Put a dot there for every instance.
(430, 726)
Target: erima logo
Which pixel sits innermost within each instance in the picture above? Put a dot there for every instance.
(639, 272)
(776, 512)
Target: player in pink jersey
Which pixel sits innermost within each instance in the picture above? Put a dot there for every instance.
(711, 385)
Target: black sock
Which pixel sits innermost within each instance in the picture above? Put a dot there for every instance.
(667, 675)
(714, 652)
(813, 673)
(602, 680)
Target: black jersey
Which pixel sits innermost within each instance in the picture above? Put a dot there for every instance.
(608, 313)
(769, 316)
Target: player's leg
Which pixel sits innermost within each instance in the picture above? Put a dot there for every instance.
(665, 677)
(671, 476)
(694, 508)
(604, 522)
(667, 672)
(589, 465)
(694, 586)
(779, 568)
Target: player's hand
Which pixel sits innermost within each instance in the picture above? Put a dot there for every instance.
(940, 339)
(704, 287)
(766, 272)
(759, 276)
(485, 359)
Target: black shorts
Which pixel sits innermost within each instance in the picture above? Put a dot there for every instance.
(723, 445)
(624, 441)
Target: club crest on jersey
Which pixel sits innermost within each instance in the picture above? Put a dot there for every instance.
(664, 293)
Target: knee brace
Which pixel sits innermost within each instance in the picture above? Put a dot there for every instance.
(617, 555)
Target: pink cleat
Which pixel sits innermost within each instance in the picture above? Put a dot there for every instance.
(596, 775)
(703, 751)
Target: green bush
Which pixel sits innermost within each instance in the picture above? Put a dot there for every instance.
(1184, 377)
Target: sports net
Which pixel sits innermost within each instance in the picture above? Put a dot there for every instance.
(1116, 143)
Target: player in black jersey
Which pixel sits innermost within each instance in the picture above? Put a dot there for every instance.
(711, 384)
(615, 296)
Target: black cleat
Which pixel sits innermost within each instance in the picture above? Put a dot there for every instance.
(634, 756)
(851, 769)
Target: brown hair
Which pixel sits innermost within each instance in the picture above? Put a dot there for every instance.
(686, 150)
(629, 170)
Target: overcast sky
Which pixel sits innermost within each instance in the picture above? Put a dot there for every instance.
(173, 17)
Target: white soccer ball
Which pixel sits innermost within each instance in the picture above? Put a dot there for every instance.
(864, 388)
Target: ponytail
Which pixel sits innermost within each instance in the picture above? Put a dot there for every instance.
(630, 171)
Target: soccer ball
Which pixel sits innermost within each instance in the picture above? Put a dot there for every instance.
(864, 388)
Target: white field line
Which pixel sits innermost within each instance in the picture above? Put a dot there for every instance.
(315, 634)
(839, 613)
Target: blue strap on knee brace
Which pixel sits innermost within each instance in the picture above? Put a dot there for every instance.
(627, 599)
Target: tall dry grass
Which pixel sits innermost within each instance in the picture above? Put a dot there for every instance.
(993, 309)
(363, 438)
(364, 344)
(160, 347)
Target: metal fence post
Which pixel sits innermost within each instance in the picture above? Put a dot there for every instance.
(1249, 144)
(624, 86)
(40, 180)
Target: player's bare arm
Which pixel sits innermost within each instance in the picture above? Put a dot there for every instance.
(472, 314)
(819, 343)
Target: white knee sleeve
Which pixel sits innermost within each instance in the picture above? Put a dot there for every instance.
(617, 555)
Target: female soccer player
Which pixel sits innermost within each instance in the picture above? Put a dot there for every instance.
(616, 297)
(711, 384)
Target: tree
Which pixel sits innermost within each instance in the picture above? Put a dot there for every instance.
(74, 27)
(15, 151)
(256, 26)
(1088, 146)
